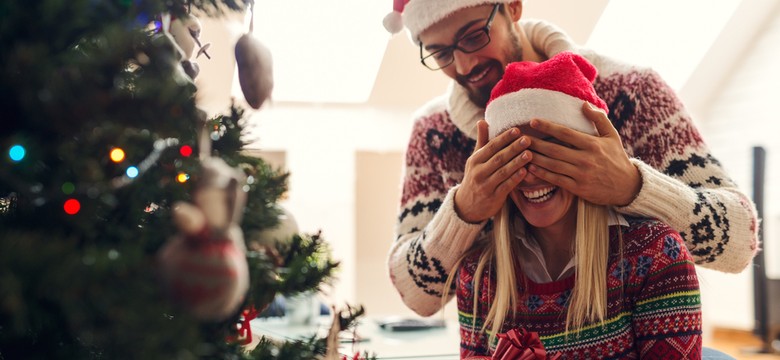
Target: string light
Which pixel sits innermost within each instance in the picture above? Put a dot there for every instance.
(68, 188)
(132, 172)
(17, 153)
(185, 151)
(182, 178)
(117, 155)
(72, 206)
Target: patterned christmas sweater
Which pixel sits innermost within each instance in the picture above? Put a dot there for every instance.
(653, 308)
(683, 185)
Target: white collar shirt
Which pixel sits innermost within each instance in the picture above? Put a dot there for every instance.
(532, 261)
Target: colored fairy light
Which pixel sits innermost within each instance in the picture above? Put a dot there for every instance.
(182, 178)
(72, 206)
(185, 150)
(68, 188)
(17, 153)
(117, 155)
(132, 172)
(158, 26)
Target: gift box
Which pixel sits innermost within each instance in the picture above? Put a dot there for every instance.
(518, 344)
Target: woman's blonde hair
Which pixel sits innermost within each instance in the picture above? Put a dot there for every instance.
(588, 301)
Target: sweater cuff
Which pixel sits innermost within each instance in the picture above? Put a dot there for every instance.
(661, 196)
(449, 233)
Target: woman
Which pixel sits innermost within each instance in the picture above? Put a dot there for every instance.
(590, 282)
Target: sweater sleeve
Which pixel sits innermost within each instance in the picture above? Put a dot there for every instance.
(430, 236)
(667, 310)
(683, 185)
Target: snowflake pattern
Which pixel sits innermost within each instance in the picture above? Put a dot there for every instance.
(671, 247)
(563, 300)
(643, 264)
(534, 302)
(622, 270)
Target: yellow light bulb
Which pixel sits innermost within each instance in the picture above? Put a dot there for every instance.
(117, 155)
(182, 178)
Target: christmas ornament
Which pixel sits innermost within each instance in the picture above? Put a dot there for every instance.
(183, 35)
(185, 31)
(244, 329)
(165, 40)
(204, 267)
(254, 62)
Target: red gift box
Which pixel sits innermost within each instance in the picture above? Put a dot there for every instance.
(518, 344)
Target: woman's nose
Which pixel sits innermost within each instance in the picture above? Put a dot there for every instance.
(529, 178)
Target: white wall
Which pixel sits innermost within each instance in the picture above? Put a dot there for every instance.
(320, 144)
(741, 115)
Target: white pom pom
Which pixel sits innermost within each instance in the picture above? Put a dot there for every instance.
(393, 22)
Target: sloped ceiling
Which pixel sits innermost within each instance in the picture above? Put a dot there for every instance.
(720, 43)
(402, 83)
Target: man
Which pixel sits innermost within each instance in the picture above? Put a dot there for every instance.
(455, 179)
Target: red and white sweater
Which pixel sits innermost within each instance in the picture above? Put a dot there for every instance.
(653, 303)
(683, 185)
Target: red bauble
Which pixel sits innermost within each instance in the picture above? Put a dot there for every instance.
(207, 275)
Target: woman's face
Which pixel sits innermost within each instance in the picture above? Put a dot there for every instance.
(541, 203)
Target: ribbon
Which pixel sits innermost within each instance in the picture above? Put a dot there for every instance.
(244, 335)
(519, 344)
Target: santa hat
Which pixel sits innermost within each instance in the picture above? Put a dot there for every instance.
(552, 90)
(418, 15)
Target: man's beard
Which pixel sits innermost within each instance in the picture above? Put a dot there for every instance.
(481, 95)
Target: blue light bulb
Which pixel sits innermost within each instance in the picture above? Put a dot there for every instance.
(132, 172)
(17, 153)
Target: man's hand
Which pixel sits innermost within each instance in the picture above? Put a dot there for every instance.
(492, 171)
(595, 168)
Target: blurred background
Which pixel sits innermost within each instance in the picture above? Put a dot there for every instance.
(345, 91)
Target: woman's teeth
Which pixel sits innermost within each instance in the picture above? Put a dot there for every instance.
(539, 195)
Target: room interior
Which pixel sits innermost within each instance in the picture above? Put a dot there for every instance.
(340, 128)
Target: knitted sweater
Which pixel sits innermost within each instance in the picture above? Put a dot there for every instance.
(683, 185)
(653, 308)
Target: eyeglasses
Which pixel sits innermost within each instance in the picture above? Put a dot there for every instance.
(469, 43)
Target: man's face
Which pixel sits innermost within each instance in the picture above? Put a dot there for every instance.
(477, 72)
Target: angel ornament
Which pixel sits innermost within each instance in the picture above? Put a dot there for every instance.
(204, 266)
(185, 31)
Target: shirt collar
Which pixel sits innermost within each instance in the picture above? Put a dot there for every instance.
(532, 261)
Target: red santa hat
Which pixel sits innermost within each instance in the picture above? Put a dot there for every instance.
(418, 15)
(552, 90)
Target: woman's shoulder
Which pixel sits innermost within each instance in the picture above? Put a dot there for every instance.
(468, 266)
(643, 235)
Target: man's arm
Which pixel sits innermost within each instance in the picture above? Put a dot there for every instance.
(429, 235)
(682, 184)
(434, 227)
(429, 242)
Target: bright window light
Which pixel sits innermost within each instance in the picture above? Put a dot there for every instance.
(671, 36)
(323, 51)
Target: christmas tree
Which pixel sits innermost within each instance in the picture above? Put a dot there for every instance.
(129, 221)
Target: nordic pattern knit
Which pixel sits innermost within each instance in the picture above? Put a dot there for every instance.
(682, 184)
(653, 308)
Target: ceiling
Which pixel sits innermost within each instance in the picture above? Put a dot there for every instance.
(340, 54)
(693, 44)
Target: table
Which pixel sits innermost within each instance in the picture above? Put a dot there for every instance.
(437, 343)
